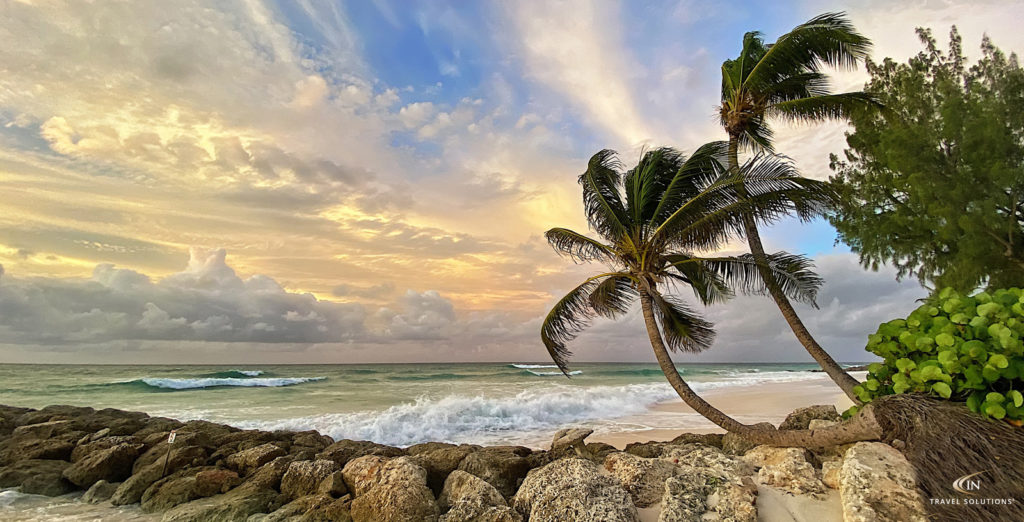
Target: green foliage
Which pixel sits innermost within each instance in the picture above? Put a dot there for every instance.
(961, 348)
(934, 184)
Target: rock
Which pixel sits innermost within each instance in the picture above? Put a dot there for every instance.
(707, 439)
(570, 438)
(461, 487)
(643, 478)
(396, 502)
(801, 417)
(877, 483)
(271, 474)
(132, 489)
(312, 508)
(311, 439)
(504, 467)
(236, 505)
(346, 450)
(37, 477)
(426, 447)
(648, 450)
(389, 490)
(362, 473)
(737, 445)
(247, 461)
(176, 489)
(90, 445)
(786, 469)
(28, 448)
(573, 490)
(830, 473)
(305, 478)
(113, 464)
(600, 450)
(440, 461)
(214, 481)
(182, 454)
(700, 494)
(100, 491)
(44, 430)
(817, 424)
(709, 458)
(464, 512)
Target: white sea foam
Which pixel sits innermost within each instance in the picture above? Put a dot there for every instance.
(250, 373)
(533, 366)
(549, 374)
(187, 384)
(459, 418)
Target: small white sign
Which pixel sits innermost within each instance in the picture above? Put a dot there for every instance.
(170, 438)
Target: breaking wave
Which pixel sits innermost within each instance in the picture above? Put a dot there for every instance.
(217, 382)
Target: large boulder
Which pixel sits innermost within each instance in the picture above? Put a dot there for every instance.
(247, 461)
(271, 474)
(399, 494)
(101, 491)
(309, 477)
(463, 487)
(573, 490)
(786, 469)
(362, 473)
(877, 483)
(801, 418)
(504, 467)
(188, 485)
(181, 454)
(345, 450)
(466, 498)
(45, 430)
(439, 461)
(737, 445)
(131, 490)
(699, 494)
(312, 508)
(38, 477)
(29, 447)
(643, 478)
(236, 505)
(707, 457)
(89, 445)
(113, 464)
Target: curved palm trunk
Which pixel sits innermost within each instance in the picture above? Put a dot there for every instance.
(862, 427)
(844, 380)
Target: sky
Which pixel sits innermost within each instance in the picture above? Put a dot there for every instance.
(305, 181)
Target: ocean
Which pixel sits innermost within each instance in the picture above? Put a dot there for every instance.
(396, 404)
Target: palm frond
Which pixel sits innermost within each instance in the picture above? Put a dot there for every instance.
(794, 274)
(613, 296)
(822, 107)
(702, 168)
(825, 40)
(683, 329)
(645, 183)
(707, 284)
(569, 316)
(601, 200)
(579, 247)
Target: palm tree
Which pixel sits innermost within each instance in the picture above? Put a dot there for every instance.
(784, 80)
(652, 221)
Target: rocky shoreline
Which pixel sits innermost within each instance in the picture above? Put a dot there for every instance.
(217, 472)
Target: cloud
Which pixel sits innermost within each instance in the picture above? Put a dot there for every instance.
(207, 301)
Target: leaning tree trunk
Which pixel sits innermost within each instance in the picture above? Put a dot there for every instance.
(844, 380)
(863, 426)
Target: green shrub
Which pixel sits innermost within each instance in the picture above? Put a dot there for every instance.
(961, 348)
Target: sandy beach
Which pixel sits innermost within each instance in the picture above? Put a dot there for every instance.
(768, 402)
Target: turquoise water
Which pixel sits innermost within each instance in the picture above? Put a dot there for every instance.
(397, 404)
